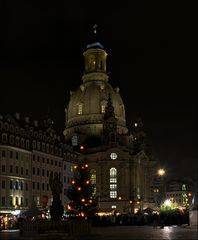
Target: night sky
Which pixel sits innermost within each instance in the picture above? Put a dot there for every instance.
(152, 51)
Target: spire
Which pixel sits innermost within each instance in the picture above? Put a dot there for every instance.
(95, 43)
(109, 124)
(49, 123)
(95, 29)
(109, 111)
(139, 135)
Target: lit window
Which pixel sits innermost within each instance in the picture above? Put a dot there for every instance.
(113, 194)
(113, 156)
(93, 180)
(102, 87)
(113, 206)
(103, 108)
(80, 108)
(113, 186)
(113, 181)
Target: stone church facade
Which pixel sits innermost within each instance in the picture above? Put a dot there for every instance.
(95, 119)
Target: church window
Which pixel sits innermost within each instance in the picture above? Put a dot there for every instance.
(103, 108)
(113, 183)
(93, 180)
(80, 108)
(102, 87)
(101, 65)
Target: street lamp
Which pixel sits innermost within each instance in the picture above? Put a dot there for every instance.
(161, 172)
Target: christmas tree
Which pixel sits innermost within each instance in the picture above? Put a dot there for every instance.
(81, 193)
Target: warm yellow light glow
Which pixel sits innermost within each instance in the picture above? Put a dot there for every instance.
(87, 182)
(161, 172)
(189, 194)
(136, 124)
(86, 165)
(82, 148)
(167, 202)
(73, 182)
(138, 202)
(82, 214)
(119, 198)
(75, 167)
(130, 202)
(90, 201)
(82, 200)
(79, 188)
(68, 207)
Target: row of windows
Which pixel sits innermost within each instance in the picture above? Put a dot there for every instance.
(15, 185)
(173, 194)
(80, 108)
(46, 147)
(42, 186)
(16, 155)
(11, 168)
(21, 142)
(39, 171)
(103, 108)
(10, 154)
(19, 201)
(22, 132)
(11, 128)
(67, 179)
(53, 162)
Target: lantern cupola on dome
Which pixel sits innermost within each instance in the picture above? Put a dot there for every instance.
(95, 60)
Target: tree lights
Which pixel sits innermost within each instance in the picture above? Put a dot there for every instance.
(81, 193)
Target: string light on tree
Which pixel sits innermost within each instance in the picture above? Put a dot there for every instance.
(81, 193)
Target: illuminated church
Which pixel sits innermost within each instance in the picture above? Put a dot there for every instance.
(95, 119)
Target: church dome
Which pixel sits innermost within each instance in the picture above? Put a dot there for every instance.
(86, 107)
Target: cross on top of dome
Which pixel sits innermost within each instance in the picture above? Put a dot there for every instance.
(95, 43)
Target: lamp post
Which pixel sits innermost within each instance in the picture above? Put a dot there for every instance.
(159, 186)
(161, 172)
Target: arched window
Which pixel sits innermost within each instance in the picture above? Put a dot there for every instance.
(113, 183)
(103, 108)
(80, 109)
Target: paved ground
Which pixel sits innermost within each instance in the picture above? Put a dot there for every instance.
(127, 233)
(145, 233)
